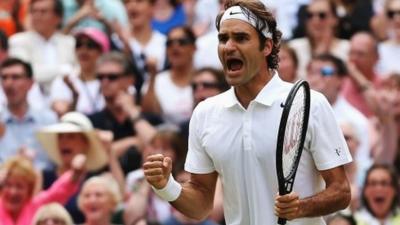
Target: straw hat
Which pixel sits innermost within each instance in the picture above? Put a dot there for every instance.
(73, 122)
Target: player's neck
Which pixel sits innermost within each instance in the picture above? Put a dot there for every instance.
(249, 91)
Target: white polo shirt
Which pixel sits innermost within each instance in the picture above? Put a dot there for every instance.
(240, 144)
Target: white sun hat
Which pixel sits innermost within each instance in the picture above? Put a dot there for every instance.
(74, 122)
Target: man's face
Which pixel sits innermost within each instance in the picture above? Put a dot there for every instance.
(16, 84)
(140, 12)
(44, 18)
(239, 52)
(112, 79)
(323, 77)
(362, 53)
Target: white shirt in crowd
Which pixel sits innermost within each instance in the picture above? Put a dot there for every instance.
(90, 99)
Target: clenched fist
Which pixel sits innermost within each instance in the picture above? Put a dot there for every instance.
(157, 170)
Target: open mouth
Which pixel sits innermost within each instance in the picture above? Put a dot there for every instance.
(65, 151)
(379, 199)
(234, 64)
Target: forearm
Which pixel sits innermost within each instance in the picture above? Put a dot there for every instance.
(333, 198)
(195, 201)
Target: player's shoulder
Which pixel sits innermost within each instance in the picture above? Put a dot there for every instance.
(214, 103)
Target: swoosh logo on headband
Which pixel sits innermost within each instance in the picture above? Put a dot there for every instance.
(234, 13)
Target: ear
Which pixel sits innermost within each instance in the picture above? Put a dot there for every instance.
(267, 47)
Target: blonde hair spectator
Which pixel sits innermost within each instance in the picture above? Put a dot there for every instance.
(98, 199)
(53, 212)
(21, 167)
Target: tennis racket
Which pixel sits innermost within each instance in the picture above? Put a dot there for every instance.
(291, 135)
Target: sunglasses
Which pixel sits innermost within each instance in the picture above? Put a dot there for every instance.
(320, 15)
(13, 77)
(179, 41)
(392, 13)
(327, 71)
(205, 85)
(108, 76)
(87, 44)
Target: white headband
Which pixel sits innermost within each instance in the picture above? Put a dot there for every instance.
(236, 12)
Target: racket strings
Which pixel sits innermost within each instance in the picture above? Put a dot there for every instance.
(293, 131)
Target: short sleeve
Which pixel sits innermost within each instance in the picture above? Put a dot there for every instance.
(197, 159)
(327, 144)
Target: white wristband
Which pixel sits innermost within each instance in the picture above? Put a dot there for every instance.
(171, 191)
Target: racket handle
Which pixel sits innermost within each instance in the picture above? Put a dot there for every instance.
(281, 221)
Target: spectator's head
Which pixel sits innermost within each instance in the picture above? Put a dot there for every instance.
(46, 16)
(288, 63)
(380, 191)
(265, 27)
(90, 43)
(325, 74)
(19, 184)
(364, 52)
(392, 11)
(73, 135)
(321, 19)
(169, 143)
(16, 80)
(99, 198)
(207, 82)
(180, 47)
(115, 73)
(140, 12)
(52, 213)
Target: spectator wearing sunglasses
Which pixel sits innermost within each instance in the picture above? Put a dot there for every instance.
(121, 115)
(321, 24)
(80, 91)
(389, 50)
(326, 74)
(169, 93)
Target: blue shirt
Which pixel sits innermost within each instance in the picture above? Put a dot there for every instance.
(22, 133)
(178, 18)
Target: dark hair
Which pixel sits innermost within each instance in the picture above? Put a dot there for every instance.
(217, 74)
(395, 185)
(58, 7)
(128, 67)
(15, 61)
(187, 30)
(264, 19)
(340, 67)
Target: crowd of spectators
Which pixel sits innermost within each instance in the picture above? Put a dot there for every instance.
(90, 87)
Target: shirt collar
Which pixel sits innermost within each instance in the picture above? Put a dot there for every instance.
(267, 96)
(10, 118)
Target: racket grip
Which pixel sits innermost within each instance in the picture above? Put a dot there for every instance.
(281, 221)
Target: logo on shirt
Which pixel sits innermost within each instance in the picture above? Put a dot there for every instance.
(338, 151)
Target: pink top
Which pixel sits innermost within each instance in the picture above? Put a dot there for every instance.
(62, 189)
(354, 95)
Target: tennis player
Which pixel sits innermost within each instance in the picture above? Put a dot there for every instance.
(233, 135)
